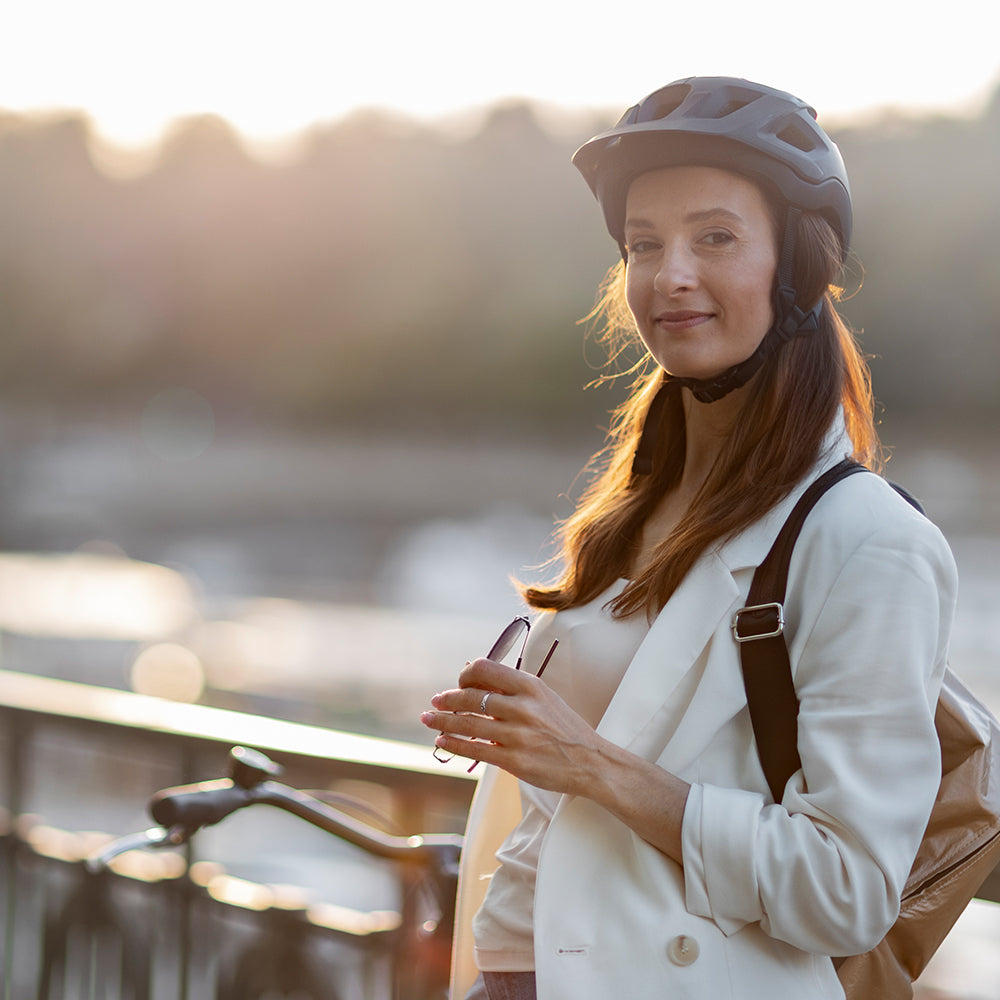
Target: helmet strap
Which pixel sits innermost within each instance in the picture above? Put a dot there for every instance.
(642, 463)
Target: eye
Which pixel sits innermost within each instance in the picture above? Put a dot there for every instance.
(718, 237)
(641, 245)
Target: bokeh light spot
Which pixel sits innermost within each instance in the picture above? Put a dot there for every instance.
(168, 670)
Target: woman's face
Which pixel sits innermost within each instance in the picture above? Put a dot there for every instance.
(702, 258)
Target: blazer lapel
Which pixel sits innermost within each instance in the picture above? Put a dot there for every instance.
(675, 641)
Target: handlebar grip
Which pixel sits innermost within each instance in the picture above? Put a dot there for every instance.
(197, 805)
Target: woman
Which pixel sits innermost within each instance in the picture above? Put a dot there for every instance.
(623, 841)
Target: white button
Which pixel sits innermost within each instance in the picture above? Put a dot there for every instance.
(682, 950)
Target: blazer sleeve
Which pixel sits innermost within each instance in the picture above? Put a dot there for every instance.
(871, 597)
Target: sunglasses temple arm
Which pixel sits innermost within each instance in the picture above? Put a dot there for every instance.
(548, 656)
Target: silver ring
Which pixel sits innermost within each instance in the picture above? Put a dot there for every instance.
(482, 704)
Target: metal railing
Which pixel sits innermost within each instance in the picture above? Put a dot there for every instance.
(193, 926)
(199, 925)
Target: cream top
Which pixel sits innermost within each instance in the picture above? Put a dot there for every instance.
(593, 654)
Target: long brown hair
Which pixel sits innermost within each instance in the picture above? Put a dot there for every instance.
(776, 439)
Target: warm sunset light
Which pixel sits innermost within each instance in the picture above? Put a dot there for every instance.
(272, 68)
(304, 396)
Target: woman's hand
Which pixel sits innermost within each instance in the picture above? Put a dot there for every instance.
(525, 728)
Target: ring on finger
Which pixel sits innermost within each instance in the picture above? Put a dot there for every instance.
(482, 704)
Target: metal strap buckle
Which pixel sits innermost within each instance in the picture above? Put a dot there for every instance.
(774, 622)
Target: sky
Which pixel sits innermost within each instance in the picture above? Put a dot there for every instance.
(273, 68)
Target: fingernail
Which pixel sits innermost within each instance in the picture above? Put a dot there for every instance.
(426, 718)
(436, 700)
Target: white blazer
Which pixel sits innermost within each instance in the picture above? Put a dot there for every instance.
(766, 891)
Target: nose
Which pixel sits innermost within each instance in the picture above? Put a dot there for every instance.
(676, 272)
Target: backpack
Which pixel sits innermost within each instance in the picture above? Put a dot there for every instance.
(961, 844)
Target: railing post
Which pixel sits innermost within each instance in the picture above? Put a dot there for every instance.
(15, 727)
(188, 758)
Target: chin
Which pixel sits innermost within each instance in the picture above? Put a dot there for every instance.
(698, 367)
(696, 371)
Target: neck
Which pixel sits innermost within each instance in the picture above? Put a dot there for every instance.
(707, 426)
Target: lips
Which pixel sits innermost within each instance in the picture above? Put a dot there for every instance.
(681, 319)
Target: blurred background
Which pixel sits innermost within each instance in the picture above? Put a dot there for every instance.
(292, 369)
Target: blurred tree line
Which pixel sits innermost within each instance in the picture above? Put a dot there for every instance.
(394, 272)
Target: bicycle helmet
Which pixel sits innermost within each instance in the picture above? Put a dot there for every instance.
(765, 134)
(721, 121)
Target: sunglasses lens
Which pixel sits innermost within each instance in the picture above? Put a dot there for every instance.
(508, 637)
(517, 628)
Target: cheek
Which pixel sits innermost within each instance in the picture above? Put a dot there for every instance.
(763, 307)
(757, 293)
(633, 293)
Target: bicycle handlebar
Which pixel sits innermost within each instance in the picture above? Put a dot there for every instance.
(209, 802)
(194, 806)
(183, 810)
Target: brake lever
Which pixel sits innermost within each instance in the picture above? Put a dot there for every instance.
(184, 810)
(154, 837)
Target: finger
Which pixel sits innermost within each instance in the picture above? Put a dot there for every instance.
(479, 750)
(486, 703)
(452, 746)
(464, 725)
(454, 700)
(468, 700)
(490, 676)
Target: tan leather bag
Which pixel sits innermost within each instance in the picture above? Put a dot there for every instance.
(961, 845)
(960, 848)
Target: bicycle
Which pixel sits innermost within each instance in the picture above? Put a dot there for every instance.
(422, 942)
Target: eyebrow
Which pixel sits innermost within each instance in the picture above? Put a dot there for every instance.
(703, 215)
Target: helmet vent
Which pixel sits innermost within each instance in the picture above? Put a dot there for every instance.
(723, 102)
(798, 138)
(733, 105)
(664, 103)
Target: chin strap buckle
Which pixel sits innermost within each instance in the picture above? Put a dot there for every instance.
(791, 319)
